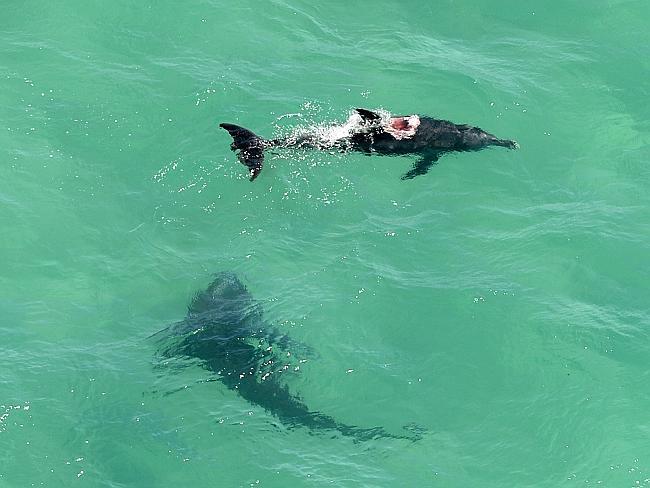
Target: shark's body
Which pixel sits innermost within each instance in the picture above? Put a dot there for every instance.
(224, 329)
(372, 132)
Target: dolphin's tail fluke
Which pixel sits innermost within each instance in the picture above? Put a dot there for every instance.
(250, 147)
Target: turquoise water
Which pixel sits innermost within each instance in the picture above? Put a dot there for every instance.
(499, 303)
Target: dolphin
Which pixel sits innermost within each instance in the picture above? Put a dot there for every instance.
(372, 132)
(225, 331)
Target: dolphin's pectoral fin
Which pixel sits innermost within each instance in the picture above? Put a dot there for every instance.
(421, 166)
(368, 115)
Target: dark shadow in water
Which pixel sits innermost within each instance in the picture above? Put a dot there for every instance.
(225, 331)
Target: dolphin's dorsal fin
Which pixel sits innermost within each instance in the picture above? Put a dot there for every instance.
(368, 115)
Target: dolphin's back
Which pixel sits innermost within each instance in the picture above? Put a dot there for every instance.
(432, 136)
(443, 135)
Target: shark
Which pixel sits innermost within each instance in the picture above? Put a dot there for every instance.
(224, 330)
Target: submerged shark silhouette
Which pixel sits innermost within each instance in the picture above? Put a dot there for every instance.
(373, 133)
(225, 330)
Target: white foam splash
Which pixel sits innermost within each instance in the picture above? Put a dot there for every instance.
(332, 134)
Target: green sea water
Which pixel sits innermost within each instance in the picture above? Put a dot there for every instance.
(499, 304)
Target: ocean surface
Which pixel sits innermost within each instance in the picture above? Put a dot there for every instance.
(499, 305)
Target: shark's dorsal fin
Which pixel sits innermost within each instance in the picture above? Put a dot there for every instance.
(368, 115)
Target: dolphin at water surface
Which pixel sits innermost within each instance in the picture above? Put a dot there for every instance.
(373, 133)
(225, 330)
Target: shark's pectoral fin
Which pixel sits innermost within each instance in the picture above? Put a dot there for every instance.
(421, 166)
(295, 348)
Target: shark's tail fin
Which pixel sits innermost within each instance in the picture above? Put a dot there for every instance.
(250, 147)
